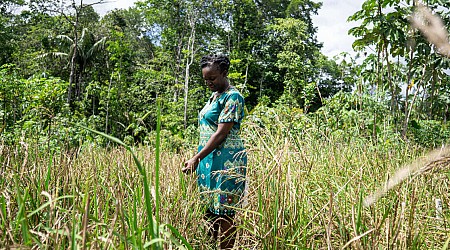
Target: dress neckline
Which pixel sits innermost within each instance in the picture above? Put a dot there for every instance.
(216, 95)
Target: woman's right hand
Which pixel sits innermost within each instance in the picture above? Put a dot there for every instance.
(191, 165)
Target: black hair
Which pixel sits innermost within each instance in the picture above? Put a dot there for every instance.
(222, 62)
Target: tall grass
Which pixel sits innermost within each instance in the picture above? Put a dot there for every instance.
(306, 192)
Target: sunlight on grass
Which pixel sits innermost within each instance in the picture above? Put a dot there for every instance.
(306, 191)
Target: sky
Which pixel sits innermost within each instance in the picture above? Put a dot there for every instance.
(333, 27)
(331, 22)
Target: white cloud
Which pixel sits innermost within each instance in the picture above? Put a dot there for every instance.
(109, 5)
(333, 26)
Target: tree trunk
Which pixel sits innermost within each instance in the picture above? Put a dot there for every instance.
(433, 88)
(390, 82)
(79, 85)
(408, 115)
(72, 72)
(410, 84)
(445, 115)
(72, 77)
(189, 61)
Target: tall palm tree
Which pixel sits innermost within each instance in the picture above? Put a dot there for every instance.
(79, 54)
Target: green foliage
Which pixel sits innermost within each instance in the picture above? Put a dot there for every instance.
(343, 104)
(339, 121)
(11, 92)
(350, 116)
(429, 133)
(127, 58)
(299, 170)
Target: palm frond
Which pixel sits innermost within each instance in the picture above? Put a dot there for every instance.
(98, 46)
(84, 38)
(65, 39)
(53, 55)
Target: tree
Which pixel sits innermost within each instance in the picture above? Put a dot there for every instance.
(81, 51)
(78, 16)
(7, 29)
(399, 51)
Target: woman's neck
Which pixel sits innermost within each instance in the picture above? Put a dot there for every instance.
(226, 88)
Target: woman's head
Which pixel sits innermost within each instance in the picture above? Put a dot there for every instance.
(220, 61)
(215, 71)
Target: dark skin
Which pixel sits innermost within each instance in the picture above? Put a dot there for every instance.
(217, 82)
(216, 139)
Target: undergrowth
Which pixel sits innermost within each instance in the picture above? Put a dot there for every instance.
(306, 190)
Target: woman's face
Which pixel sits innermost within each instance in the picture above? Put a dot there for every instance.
(215, 80)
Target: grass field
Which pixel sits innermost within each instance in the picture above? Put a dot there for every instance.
(306, 191)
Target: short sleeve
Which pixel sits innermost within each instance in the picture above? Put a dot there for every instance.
(233, 110)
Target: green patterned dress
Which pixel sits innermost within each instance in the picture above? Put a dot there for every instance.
(221, 174)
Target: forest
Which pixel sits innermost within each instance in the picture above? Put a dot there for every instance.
(99, 112)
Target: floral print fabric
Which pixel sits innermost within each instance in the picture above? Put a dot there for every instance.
(221, 174)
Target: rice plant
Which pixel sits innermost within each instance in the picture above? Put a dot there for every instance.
(306, 191)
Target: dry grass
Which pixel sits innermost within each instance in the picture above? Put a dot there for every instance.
(306, 191)
(437, 159)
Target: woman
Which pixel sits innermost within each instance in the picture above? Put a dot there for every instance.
(221, 159)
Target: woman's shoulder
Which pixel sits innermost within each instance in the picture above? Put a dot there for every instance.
(234, 92)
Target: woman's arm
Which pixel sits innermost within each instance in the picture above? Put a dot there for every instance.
(216, 139)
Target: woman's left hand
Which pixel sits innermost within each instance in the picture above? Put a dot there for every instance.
(191, 165)
(214, 141)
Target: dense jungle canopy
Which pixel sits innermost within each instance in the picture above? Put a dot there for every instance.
(62, 63)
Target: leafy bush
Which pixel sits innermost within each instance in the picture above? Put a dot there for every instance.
(429, 133)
